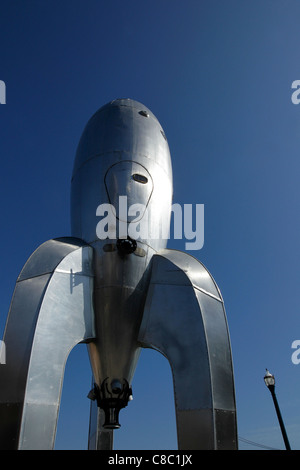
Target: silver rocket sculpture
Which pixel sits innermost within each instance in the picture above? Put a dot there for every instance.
(117, 293)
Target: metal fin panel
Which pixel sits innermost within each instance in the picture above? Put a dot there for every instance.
(184, 319)
(49, 315)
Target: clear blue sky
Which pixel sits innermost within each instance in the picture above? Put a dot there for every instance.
(218, 76)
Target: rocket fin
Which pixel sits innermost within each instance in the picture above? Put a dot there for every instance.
(51, 311)
(184, 319)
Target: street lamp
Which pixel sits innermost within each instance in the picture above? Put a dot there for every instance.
(270, 383)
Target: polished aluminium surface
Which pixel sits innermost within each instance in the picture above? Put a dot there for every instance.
(88, 289)
(51, 311)
(184, 319)
(99, 437)
(123, 144)
(121, 140)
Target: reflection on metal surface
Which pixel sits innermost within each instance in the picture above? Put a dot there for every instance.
(109, 247)
(51, 312)
(117, 295)
(179, 317)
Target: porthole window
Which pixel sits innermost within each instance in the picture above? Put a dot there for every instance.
(144, 113)
(140, 178)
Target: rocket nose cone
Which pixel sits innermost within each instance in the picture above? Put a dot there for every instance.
(122, 152)
(130, 103)
(127, 126)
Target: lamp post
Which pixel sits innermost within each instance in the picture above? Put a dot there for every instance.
(270, 383)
